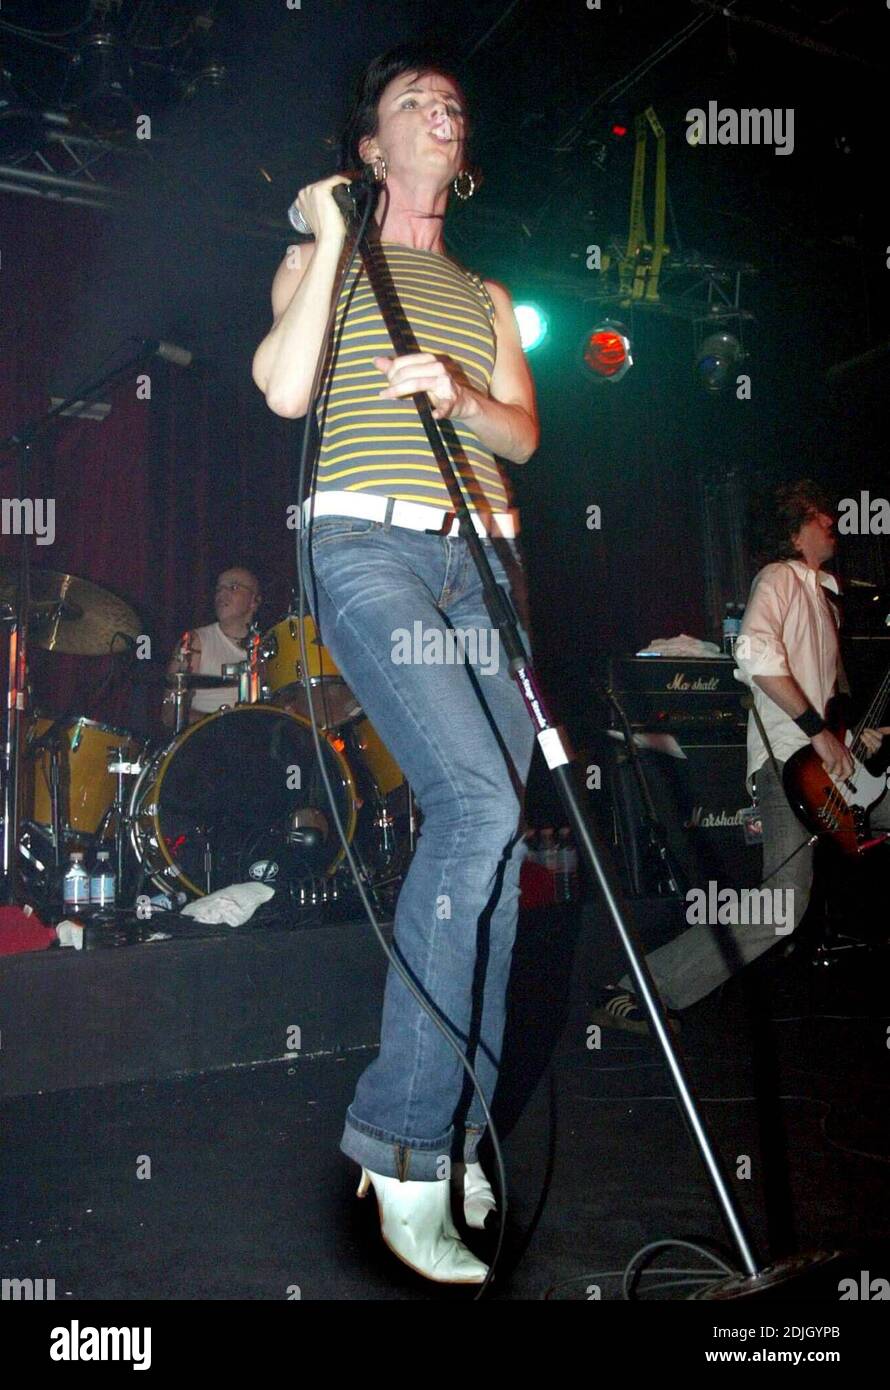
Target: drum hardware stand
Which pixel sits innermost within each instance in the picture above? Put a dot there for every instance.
(205, 831)
(250, 691)
(754, 1278)
(118, 764)
(412, 818)
(51, 742)
(385, 821)
(22, 443)
(180, 701)
(383, 824)
(16, 699)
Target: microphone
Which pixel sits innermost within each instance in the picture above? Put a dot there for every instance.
(179, 356)
(347, 197)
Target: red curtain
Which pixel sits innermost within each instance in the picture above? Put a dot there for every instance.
(154, 500)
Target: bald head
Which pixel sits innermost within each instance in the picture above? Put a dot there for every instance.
(236, 599)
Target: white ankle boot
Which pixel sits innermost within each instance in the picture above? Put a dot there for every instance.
(416, 1224)
(479, 1199)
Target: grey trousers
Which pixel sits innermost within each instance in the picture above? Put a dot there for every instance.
(705, 955)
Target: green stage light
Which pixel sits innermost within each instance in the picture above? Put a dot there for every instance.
(533, 326)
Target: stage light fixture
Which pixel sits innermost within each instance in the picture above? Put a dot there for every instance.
(209, 82)
(717, 359)
(607, 351)
(533, 325)
(101, 81)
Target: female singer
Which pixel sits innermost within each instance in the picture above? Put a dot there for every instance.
(381, 556)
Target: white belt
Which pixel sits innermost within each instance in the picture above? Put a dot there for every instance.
(415, 515)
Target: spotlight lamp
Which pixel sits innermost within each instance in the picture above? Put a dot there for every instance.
(210, 79)
(101, 79)
(533, 325)
(717, 360)
(607, 351)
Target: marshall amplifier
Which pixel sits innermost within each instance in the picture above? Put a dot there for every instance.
(698, 697)
(703, 804)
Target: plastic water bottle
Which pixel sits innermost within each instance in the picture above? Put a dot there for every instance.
(732, 626)
(566, 868)
(548, 850)
(102, 881)
(76, 884)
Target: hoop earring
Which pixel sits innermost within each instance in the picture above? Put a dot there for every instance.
(378, 169)
(464, 185)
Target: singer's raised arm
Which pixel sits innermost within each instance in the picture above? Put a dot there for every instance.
(284, 362)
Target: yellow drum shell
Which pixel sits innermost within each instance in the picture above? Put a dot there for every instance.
(87, 787)
(285, 666)
(377, 757)
(333, 702)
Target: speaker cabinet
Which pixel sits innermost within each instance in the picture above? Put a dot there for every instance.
(699, 800)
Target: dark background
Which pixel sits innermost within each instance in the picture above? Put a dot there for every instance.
(157, 498)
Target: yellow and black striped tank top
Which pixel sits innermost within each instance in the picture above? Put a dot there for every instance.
(373, 445)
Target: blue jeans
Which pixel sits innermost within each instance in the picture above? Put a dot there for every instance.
(385, 599)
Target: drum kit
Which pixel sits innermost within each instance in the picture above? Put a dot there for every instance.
(237, 795)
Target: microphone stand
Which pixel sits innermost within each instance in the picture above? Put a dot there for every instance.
(755, 1278)
(656, 835)
(21, 443)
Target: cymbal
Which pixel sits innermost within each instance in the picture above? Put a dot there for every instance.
(71, 615)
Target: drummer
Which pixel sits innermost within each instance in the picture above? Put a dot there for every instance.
(236, 599)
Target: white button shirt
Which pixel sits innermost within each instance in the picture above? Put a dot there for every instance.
(789, 629)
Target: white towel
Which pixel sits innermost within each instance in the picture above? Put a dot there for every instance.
(684, 645)
(232, 906)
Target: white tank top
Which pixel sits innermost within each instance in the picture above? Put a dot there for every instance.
(217, 650)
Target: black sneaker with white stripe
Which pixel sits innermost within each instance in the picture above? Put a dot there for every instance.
(618, 1008)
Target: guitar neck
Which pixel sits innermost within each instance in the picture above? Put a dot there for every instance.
(872, 717)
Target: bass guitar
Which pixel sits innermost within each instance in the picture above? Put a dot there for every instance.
(839, 807)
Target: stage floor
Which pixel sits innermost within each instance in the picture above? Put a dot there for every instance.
(249, 1196)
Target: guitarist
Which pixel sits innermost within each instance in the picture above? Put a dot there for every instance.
(789, 654)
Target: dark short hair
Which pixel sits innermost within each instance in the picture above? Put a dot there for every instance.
(781, 514)
(421, 57)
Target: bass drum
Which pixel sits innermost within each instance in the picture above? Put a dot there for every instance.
(238, 796)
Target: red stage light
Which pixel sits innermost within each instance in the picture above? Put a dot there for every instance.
(607, 352)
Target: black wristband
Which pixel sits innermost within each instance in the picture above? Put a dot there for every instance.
(810, 723)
